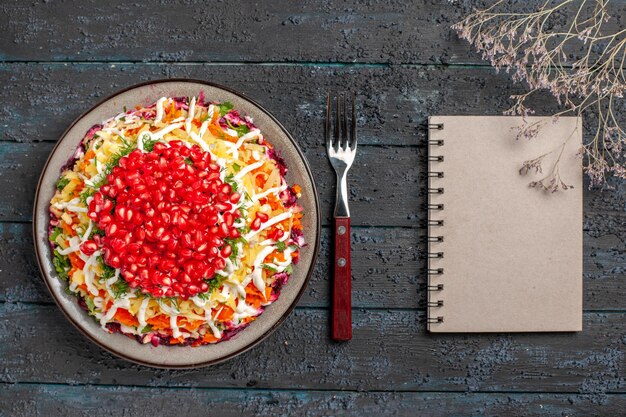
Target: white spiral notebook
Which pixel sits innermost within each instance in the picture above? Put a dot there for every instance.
(502, 256)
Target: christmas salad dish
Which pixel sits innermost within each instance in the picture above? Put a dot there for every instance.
(173, 223)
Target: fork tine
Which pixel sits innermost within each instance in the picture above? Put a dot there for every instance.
(337, 125)
(353, 132)
(344, 121)
(329, 139)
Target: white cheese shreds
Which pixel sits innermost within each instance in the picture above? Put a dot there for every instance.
(249, 168)
(275, 191)
(159, 134)
(270, 222)
(190, 114)
(159, 110)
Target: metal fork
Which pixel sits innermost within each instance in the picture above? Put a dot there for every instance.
(341, 149)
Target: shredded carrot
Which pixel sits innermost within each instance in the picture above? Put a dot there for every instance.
(226, 314)
(76, 261)
(191, 325)
(123, 316)
(159, 322)
(260, 179)
(177, 340)
(280, 256)
(89, 154)
(216, 115)
(286, 224)
(67, 229)
(274, 202)
(209, 338)
(254, 297)
(296, 189)
(219, 133)
(78, 189)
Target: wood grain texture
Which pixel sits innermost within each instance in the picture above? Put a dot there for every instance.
(390, 351)
(50, 400)
(393, 103)
(388, 269)
(399, 31)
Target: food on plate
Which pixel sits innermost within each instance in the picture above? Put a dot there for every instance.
(174, 224)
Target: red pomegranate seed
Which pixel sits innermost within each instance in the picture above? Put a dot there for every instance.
(256, 224)
(219, 263)
(97, 198)
(111, 229)
(226, 189)
(264, 217)
(223, 230)
(89, 247)
(226, 251)
(114, 261)
(107, 205)
(165, 233)
(118, 245)
(105, 219)
(276, 234)
(234, 198)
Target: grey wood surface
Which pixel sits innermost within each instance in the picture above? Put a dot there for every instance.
(58, 58)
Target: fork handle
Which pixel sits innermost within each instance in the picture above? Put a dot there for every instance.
(342, 287)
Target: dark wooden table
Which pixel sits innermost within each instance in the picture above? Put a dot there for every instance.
(58, 58)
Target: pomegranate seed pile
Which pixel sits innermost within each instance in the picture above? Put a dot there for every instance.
(165, 216)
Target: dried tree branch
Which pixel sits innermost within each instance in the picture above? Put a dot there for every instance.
(592, 85)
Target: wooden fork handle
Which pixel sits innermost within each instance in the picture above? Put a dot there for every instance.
(342, 287)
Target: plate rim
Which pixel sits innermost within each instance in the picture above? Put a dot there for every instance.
(278, 322)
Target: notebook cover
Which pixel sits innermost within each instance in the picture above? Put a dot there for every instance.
(512, 254)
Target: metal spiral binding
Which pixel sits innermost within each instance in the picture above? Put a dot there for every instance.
(434, 208)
